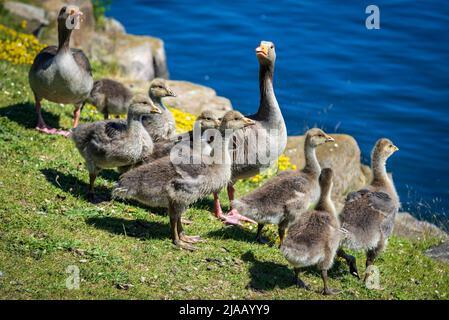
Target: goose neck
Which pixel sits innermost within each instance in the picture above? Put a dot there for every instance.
(312, 165)
(325, 202)
(63, 36)
(269, 107)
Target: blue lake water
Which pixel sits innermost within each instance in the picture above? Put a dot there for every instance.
(331, 72)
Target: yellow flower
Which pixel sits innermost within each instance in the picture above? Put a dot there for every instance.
(184, 121)
(18, 48)
(23, 24)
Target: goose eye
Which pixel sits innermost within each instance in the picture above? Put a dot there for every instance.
(272, 47)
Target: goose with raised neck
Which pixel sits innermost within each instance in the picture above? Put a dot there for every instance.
(61, 74)
(270, 126)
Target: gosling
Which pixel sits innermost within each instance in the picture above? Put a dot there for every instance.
(162, 126)
(113, 143)
(368, 214)
(281, 199)
(315, 237)
(110, 97)
(164, 183)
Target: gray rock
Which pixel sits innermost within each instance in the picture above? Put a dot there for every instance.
(439, 252)
(407, 226)
(113, 26)
(34, 16)
(136, 61)
(194, 98)
(137, 57)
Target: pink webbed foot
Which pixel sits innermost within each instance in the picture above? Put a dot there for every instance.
(234, 217)
(228, 220)
(48, 130)
(235, 214)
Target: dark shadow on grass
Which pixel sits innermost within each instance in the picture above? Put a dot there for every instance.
(73, 185)
(266, 275)
(140, 228)
(109, 174)
(234, 233)
(24, 114)
(204, 204)
(158, 211)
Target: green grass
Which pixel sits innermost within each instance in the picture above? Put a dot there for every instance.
(46, 225)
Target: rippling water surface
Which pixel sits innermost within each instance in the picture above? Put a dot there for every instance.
(331, 72)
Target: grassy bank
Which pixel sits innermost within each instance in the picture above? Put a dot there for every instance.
(123, 249)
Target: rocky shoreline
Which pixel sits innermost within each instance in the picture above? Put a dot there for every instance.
(139, 59)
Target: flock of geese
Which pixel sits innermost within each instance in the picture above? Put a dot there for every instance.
(140, 148)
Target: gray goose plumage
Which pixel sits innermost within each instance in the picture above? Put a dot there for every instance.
(368, 214)
(315, 237)
(61, 74)
(114, 143)
(206, 120)
(160, 127)
(110, 97)
(270, 128)
(164, 183)
(283, 198)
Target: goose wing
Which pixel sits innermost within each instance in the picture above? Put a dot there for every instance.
(81, 60)
(43, 58)
(365, 202)
(114, 129)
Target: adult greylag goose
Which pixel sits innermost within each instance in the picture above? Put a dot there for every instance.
(269, 131)
(165, 183)
(368, 214)
(315, 237)
(283, 198)
(61, 74)
(110, 97)
(160, 127)
(113, 143)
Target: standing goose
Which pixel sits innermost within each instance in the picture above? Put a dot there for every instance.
(113, 143)
(315, 237)
(110, 97)
(160, 127)
(164, 183)
(61, 74)
(284, 197)
(368, 214)
(269, 129)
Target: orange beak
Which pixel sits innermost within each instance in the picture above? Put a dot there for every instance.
(262, 50)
